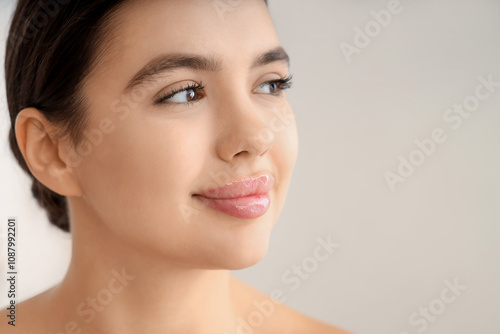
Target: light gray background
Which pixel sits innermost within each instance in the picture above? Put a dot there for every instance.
(398, 248)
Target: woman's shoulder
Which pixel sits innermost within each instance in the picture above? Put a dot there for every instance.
(298, 323)
(260, 314)
(17, 318)
(25, 317)
(257, 313)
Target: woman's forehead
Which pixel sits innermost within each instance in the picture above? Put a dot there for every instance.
(184, 20)
(142, 31)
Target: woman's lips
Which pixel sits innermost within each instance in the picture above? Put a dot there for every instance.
(244, 198)
(243, 207)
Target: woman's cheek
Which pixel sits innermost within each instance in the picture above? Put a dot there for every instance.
(284, 127)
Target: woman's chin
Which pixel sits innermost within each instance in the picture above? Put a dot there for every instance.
(247, 258)
(236, 257)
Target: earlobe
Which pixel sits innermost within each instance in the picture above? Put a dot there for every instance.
(41, 151)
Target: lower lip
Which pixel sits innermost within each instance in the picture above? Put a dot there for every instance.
(243, 207)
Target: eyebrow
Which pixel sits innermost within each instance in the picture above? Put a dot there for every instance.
(170, 62)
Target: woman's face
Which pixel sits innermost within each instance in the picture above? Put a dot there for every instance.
(148, 151)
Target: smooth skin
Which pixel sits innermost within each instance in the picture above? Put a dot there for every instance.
(147, 258)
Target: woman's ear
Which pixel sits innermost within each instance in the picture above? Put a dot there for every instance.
(42, 152)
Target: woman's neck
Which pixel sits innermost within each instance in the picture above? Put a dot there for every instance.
(111, 287)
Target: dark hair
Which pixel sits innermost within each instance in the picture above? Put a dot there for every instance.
(51, 49)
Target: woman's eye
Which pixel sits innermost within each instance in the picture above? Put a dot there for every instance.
(274, 87)
(267, 88)
(184, 95)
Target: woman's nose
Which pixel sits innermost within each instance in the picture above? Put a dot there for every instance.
(242, 130)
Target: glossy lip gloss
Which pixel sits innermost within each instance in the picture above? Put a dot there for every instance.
(244, 198)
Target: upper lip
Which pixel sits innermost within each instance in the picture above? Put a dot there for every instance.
(247, 186)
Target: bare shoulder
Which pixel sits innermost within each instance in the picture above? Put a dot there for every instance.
(7, 325)
(311, 325)
(26, 317)
(301, 324)
(10, 315)
(260, 314)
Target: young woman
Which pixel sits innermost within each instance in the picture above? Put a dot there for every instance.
(159, 134)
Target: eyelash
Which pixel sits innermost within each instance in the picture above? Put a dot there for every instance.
(283, 84)
(194, 86)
